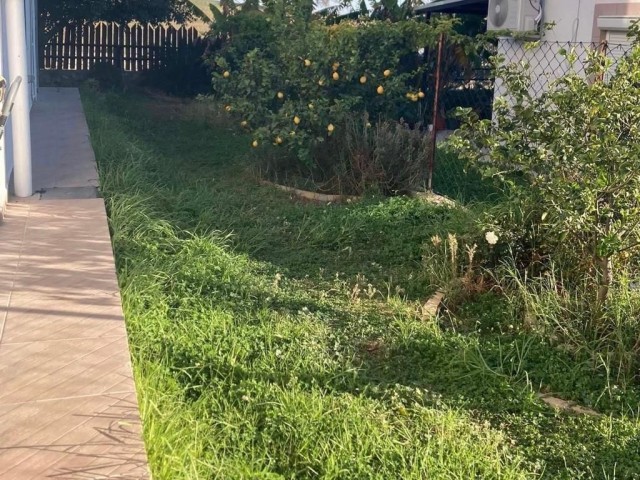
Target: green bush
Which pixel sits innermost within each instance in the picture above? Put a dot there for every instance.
(569, 231)
(294, 81)
(575, 150)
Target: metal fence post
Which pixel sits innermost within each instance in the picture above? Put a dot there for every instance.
(436, 111)
(603, 51)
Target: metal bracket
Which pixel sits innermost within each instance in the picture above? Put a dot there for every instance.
(9, 101)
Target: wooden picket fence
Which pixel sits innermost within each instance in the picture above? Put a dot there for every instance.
(132, 48)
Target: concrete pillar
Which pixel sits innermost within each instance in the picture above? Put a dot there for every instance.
(18, 62)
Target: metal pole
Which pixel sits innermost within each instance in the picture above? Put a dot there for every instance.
(436, 109)
(18, 61)
(603, 51)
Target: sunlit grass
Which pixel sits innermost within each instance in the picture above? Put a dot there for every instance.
(275, 339)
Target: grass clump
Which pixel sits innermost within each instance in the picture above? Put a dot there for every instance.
(275, 339)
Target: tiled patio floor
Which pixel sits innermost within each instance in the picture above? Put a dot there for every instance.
(68, 407)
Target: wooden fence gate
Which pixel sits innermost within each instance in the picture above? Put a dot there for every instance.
(132, 48)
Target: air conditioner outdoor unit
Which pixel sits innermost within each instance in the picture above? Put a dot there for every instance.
(515, 15)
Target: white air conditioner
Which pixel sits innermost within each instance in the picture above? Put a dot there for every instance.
(515, 15)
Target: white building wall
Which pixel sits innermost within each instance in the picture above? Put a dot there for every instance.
(577, 20)
(573, 20)
(578, 24)
(31, 14)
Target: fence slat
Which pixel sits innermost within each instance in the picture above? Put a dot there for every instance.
(133, 48)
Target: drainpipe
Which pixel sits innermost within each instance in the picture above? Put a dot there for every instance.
(18, 59)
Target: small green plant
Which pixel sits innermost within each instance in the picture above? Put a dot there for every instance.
(387, 156)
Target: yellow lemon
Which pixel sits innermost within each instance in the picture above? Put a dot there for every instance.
(228, 108)
(243, 123)
(335, 66)
(368, 125)
(363, 79)
(226, 74)
(296, 120)
(278, 140)
(336, 76)
(255, 144)
(414, 97)
(311, 106)
(408, 95)
(292, 133)
(380, 90)
(307, 62)
(320, 82)
(420, 94)
(330, 127)
(387, 73)
(280, 95)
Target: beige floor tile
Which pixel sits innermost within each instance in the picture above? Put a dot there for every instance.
(90, 436)
(65, 368)
(68, 406)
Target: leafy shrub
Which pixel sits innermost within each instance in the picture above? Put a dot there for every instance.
(387, 157)
(294, 82)
(574, 150)
(569, 159)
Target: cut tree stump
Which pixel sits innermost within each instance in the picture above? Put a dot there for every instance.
(431, 308)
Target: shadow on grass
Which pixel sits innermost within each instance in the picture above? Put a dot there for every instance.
(202, 177)
(197, 177)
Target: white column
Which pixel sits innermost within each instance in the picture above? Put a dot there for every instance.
(20, 117)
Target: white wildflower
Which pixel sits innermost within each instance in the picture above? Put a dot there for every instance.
(491, 238)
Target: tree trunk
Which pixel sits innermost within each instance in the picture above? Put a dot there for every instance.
(605, 277)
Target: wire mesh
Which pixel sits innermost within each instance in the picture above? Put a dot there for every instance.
(469, 81)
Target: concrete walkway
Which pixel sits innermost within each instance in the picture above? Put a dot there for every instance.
(68, 407)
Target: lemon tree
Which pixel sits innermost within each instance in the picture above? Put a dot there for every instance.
(293, 81)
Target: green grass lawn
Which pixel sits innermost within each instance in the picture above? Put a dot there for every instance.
(279, 340)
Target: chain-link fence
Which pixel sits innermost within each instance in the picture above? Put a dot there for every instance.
(469, 81)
